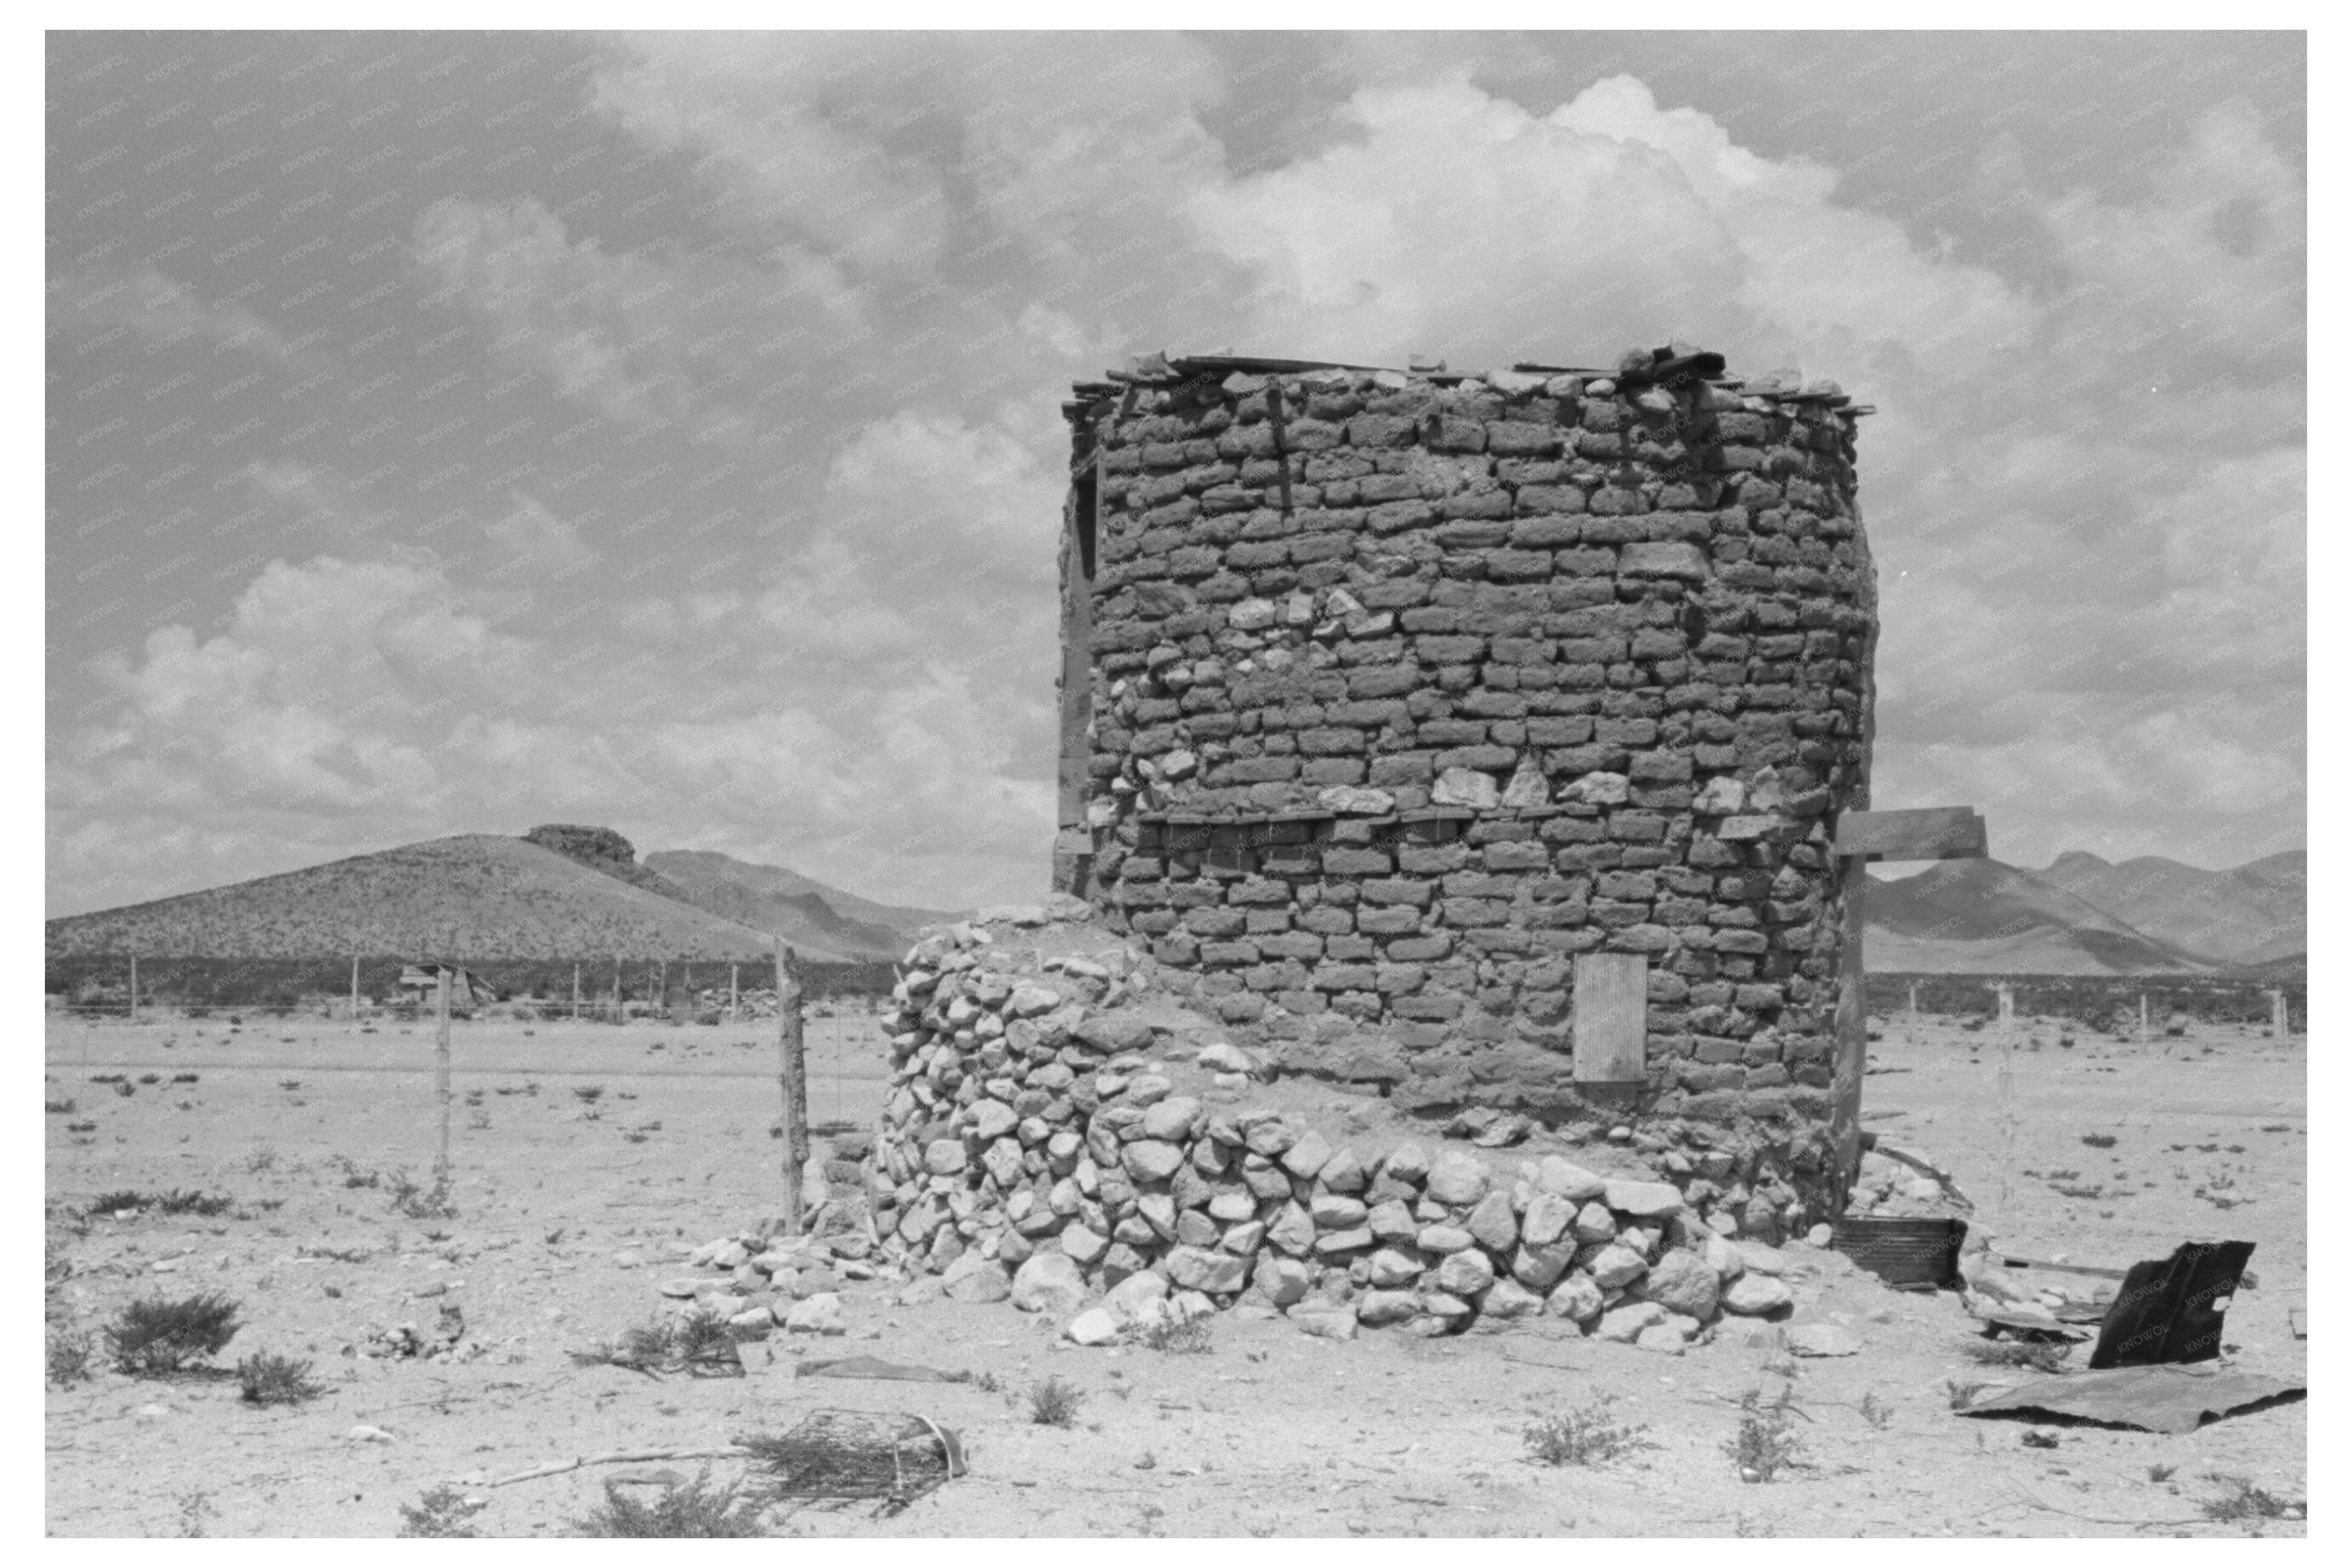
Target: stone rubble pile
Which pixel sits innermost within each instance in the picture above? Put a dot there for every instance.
(1029, 1139)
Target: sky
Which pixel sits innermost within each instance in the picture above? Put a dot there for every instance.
(455, 433)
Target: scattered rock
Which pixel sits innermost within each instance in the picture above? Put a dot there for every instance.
(1643, 1200)
(1572, 1182)
(972, 1278)
(1457, 1178)
(820, 1314)
(1663, 1337)
(1509, 1300)
(1221, 1058)
(365, 1434)
(1624, 1324)
(1377, 1307)
(1465, 1273)
(1681, 1282)
(1282, 1280)
(1082, 1246)
(1576, 1298)
(1754, 1295)
(1493, 1224)
(1617, 1266)
(1325, 1322)
(1821, 1340)
(1049, 1283)
(1216, 1273)
(1093, 1326)
(1406, 1163)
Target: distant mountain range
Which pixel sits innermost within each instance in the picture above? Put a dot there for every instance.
(566, 891)
(560, 892)
(2084, 916)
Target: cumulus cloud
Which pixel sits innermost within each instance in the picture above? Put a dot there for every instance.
(810, 615)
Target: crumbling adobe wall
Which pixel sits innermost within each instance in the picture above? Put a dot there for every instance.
(1406, 688)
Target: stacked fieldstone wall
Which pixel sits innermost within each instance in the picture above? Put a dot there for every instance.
(1408, 688)
(1030, 1147)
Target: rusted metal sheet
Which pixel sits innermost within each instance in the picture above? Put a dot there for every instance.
(2170, 1311)
(2169, 1399)
(1612, 1017)
(1931, 832)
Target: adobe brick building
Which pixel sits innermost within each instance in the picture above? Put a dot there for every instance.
(1477, 735)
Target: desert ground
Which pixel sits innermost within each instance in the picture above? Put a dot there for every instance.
(568, 1212)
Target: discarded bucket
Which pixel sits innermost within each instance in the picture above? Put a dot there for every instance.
(1909, 1254)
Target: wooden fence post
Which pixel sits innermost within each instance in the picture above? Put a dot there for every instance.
(2005, 1093)
(2278, 1014)
(575, 992)
(792, 1076)
(441, 1078)
(134, 987)
(355, 988)
(734, 974)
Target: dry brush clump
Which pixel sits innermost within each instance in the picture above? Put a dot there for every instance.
(277, 1380)
(1054, 1403)
(695, 1510)
(1584, 1435)
(159, 1337)
(1764, 1444)
(441, 1515)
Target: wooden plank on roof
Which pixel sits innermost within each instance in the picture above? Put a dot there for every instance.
(1612, 1006)
(1931, 833)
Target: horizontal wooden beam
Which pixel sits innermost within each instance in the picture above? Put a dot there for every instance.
(1931, 833)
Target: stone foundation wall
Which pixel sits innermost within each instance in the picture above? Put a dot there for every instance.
(1407, 689)
(1030, 1138)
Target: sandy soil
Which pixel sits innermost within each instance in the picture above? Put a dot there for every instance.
(1269, 1433)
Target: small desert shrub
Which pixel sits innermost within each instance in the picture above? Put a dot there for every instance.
(123, 1089)
(2246, 1501)
(2099, 1140)
(277, 1380)
(441, 1515)
(1764, 1446)
(588, 1093)
(210, 1205)
(185, 1078)
(695, 1510)
(106, 1077)
(58, 1107)
(1875, 1411)
(2041, 1356)
(263, 1158)
(1177, 1336)
(69, 1357)
(1584, 1435)
(1054, 1403)
(149, 1078)
(122, 1201)
(156, 1337)
(419, 1202)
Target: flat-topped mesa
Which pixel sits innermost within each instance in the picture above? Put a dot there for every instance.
(1392, 697)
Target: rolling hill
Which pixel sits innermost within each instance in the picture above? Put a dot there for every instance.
(476, 896)
(2249, 914)
(1982, 917)
(799, 908)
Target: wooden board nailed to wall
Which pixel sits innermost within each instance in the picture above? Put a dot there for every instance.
(1612, 1006)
